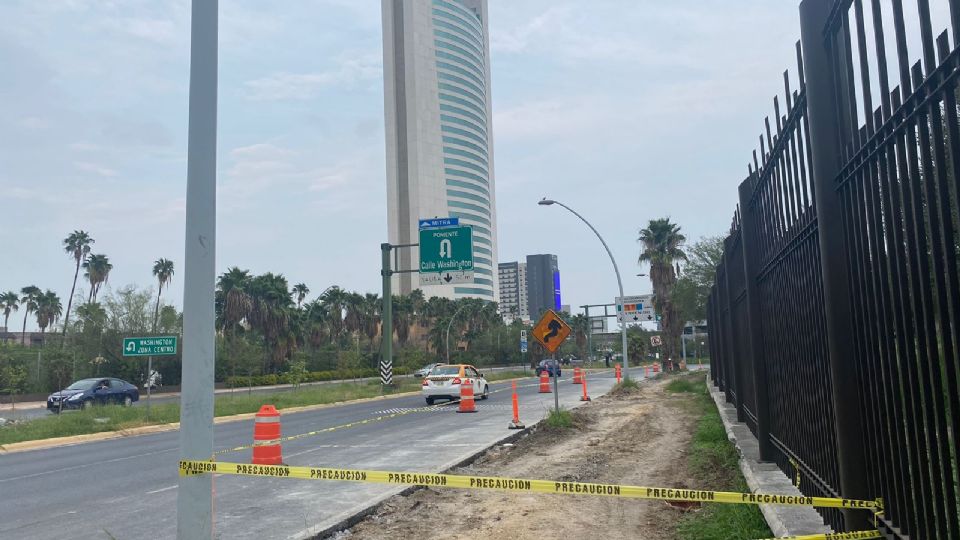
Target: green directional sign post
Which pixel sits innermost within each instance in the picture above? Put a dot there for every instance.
(150, 347)
(446, 255)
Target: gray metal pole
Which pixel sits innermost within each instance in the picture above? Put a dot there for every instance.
(586, 310)
(623, 324)
(149, 370)
(195, 495)
(386, 363)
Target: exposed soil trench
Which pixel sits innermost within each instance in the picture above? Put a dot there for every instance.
(638, 438)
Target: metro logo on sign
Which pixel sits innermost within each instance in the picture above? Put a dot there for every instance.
(551, 331)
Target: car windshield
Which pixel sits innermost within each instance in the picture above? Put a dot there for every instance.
(548, 363)
(85, 384)
(446, 370)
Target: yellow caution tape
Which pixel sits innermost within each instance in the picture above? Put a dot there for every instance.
(856, 535)
(516, 484)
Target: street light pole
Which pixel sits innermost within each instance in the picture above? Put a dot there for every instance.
(623, 324)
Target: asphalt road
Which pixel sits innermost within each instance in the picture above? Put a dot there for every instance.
(127, 488)
(34, 410)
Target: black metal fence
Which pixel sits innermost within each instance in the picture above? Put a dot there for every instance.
(836, 309)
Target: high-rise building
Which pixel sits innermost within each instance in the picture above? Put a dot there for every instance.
(436, 71)
(513, 291)
(543, 284)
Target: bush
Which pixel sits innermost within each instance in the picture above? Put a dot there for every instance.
(310, 376)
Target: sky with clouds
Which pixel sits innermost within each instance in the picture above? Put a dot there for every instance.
(625, 110)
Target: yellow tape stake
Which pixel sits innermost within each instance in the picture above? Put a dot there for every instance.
(856, 535)
(516, 484)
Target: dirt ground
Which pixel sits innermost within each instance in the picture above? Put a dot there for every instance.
(640, 438)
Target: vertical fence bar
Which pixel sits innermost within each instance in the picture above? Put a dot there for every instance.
(824, 140)
(754, 327)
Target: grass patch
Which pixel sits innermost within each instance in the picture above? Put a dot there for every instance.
(113, 418)
(495, 376)
(691, 385)
(559, 419)
(714, 463)
(626, 385)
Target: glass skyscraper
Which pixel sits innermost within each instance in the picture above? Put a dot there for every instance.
(438, 132)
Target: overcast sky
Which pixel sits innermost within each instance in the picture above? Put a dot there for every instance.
(625, 110)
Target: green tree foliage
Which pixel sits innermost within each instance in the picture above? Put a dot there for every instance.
(697, 276)
(662, 243)
(97, 269)
(77, 246)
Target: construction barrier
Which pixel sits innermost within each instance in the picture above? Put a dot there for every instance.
(266, 437)
(544, 382)
(467, 405)
(519, 484)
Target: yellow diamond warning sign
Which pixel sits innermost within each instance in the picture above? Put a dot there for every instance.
(551, 331)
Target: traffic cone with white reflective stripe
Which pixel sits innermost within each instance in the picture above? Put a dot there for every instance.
(467, 403)
(266, 437)
(577, 376)
(545, 382)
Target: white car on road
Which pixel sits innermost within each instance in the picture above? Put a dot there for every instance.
(445, 380)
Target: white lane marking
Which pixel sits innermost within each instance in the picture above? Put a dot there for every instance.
(86, 465)
(168, 488)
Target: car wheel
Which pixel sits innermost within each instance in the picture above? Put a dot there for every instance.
(429, 401)
(86, 404)
(127, 401)
(486, 392)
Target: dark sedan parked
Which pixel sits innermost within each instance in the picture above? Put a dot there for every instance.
(550, 366)
(87, 392)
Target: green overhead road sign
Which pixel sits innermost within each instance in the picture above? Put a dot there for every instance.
(446, 255)
(150, 346)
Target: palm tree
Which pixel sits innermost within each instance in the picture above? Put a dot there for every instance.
(77, 245)
(28, 301)
(662, 243)
(353, 319)
(49, 310)
(97, 269)
(371, 316)
(334, 300)
(163, 271)
(300, 290)
(233, 302)
(581, 327)
(9, 302)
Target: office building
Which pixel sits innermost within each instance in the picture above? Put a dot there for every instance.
(439, 144)
(513, 291)
(543, 285)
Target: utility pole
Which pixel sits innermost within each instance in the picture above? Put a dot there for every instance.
(387, 271)
(195, 493)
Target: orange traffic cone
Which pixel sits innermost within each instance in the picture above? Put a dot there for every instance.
(266, 437)
(466, 397)
(646, 372)
(656, 368)
(516, 424)
(577, 375)
(616, 370)
(583, 379)
(544, 382)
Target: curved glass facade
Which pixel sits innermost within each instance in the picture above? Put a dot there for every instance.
(437, 91)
